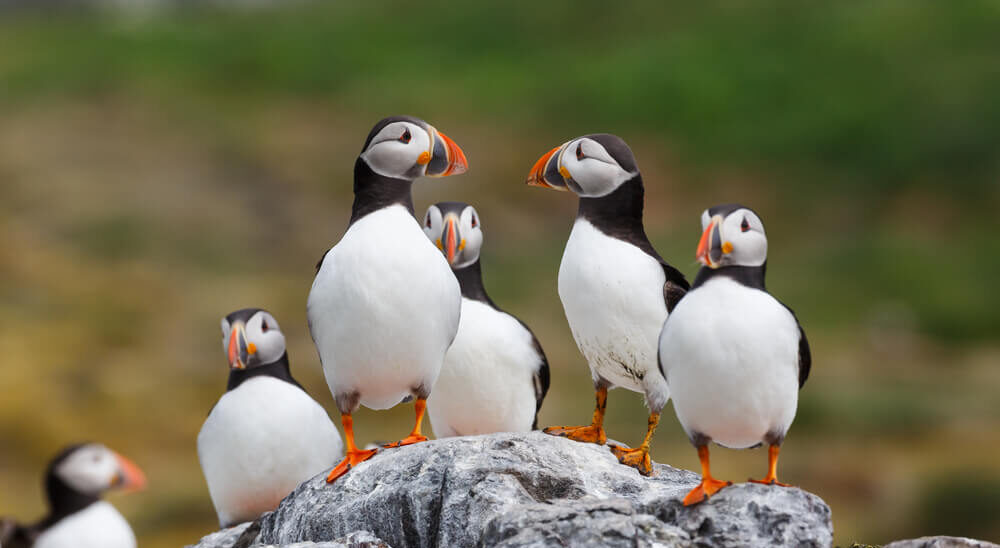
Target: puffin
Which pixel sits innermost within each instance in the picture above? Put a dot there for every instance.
(615, 288)
(734, 355)
(265, 435)
(385, 306)
(495, 374)
(74, 482)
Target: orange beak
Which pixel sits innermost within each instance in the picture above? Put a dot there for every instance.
(446, 158)
(709, 243)
(450, 240)
(129, 478)
(537, 175)
(238, 350)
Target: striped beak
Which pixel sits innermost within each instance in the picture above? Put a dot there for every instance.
(710, 249)
(445, 157)
(545, 173)
(239, 350)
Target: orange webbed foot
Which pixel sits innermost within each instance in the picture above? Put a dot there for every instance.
(352, 459)
(586, 434)
(636, 458)
(705, 489)
(408, 440)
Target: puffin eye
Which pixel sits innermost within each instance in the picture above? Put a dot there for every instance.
(406, 136)
(745, 225)
(263, 326)
(579, 151)
(475, 223)
(428, 220)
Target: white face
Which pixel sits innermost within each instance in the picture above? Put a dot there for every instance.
(91, 469)
(462, 246)
(265, 343)
(593, 169)
(401, 150)
(736, 239)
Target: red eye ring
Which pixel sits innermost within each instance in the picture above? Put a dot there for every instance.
(474, 222)
(405, 138)
(579, 151)
(745, 225)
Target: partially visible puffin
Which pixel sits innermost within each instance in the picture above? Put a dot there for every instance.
(265, 435)
(495, 374)
(734, 355)
(384, 306)
(615, 288)
(78, 518)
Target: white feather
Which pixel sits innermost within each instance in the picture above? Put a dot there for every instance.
(383, 309)
(261, 441)
(730, 354)
(612, 293)
(96, 526)
(487, 381)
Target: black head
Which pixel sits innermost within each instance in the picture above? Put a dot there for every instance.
(251, 337)
(732, 235)
(404, 147)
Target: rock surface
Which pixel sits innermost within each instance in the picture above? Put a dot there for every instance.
(941, 542)
(530, 490)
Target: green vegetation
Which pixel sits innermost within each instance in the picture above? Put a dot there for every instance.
(161, 168)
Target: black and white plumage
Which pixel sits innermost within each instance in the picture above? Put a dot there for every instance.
(265, 435)
(615, 288)
(78, 518)
(495, 374)
(734, 355)
(385, 306)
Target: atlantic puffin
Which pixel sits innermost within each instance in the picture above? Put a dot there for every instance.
(495, 374)
(734, 355)
(615, 288)
(384, 306)
(78, 518)
(265, 435)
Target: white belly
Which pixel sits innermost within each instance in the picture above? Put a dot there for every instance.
(612, 293)
(383, 309)
(730, 354)
(96, 526)
(486, 384)
(259, 443)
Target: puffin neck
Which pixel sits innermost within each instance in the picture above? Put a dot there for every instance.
(279, 370)
(373, 191)
(63, 499)
(749, 276)
(617, 213)
(470, 279)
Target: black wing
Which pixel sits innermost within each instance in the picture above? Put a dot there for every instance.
(675, 287)
(805, 356)
(541, 381)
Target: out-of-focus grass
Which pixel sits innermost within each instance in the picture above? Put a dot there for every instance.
(160, 169)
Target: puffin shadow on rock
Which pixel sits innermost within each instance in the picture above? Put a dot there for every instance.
(529, 489)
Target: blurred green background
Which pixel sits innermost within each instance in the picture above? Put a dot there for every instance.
(161, 166)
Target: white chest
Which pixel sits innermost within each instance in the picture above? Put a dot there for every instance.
(612, 293)
(96, 526)
(730, 355)
(487, 382)
(383, 309)
(260, 441)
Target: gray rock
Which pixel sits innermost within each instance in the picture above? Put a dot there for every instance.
(535, 490)
(941, 542)
(234, 536)
(225, 538)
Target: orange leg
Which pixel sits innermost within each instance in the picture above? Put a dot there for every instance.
(709, 485)
(415, 437)
(772, 468)
(354, 455)
(638, 458)
(594, 433)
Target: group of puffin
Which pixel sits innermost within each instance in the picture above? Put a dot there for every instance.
(398, 313)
